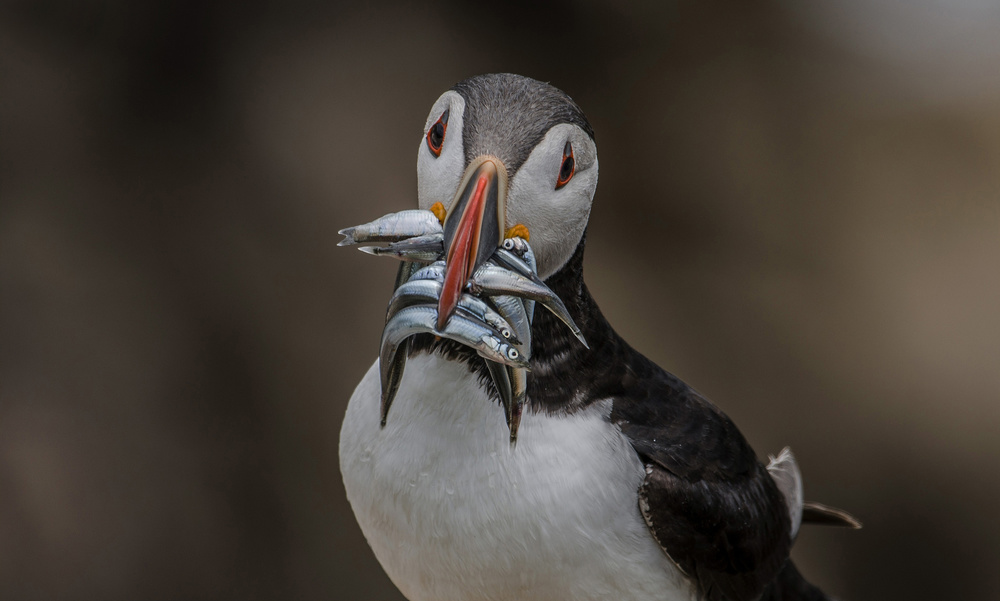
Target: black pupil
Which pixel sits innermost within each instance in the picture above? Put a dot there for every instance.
(437, 135)
(567, 169)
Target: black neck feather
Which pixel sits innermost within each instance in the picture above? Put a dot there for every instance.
(565, 375)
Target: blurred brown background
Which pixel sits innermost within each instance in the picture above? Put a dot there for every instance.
(799, 213)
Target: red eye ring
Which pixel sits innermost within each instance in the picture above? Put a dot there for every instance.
(568, 167)
(435, 135)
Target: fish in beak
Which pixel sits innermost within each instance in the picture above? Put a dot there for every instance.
(473, 228)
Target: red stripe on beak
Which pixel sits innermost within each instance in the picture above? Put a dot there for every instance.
(461, 259)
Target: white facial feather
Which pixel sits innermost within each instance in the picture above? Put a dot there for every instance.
(555, 218)
(438, 177)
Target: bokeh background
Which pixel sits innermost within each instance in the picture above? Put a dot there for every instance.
(799, 214)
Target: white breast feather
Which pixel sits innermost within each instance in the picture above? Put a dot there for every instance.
(454, 514)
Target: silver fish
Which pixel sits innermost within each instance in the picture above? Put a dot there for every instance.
(394, 374)
(406, 270)
(434, 271)
(391, 371)
(392, 228)
(512, 310)
(492, 280)
(501, 380)
(521, 249)
(406, 256)
(461, 329)
(477, 309)
(413, 292)
(519, 388)
(420, 291)
(421, 249)
(507, 259)
(422, 318)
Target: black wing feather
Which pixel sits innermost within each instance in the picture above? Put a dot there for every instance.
(708, 501)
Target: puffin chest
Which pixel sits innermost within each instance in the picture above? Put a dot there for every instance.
(453, 512)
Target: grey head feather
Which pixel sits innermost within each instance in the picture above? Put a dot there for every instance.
(507, 115)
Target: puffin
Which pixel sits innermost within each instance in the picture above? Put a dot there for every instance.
(625, 483)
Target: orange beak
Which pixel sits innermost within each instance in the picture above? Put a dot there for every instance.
(472, 231)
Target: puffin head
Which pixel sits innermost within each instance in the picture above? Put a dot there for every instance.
(505, 155)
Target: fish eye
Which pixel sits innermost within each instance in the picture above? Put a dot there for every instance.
(568, 167)
(505, 332)
(512, 353)
(508, 244)
(435, 135)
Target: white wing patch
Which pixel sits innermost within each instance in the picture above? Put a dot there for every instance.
(785, 472)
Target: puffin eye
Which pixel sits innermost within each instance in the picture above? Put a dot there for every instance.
(568, 166)
(435, 135)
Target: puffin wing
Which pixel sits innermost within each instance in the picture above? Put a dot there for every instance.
(709, 503)
(817, 513)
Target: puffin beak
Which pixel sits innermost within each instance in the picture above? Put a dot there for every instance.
(473, 228)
